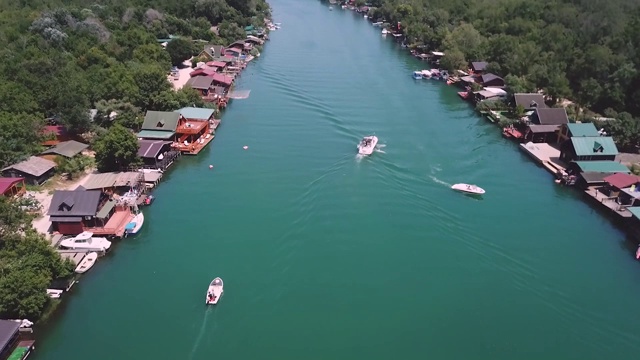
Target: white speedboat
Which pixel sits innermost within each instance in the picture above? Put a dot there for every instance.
(87, 262)
(214, 292)
(134, 225)
(467, 188)
(367, 145)
(385, 32)
(86, 241)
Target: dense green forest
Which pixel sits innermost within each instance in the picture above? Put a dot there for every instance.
(58, 59)
(587, 51)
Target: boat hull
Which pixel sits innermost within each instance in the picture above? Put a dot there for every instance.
(216, 290)
(368, 150)
(87, 263)
(468, 189)
(138, 220)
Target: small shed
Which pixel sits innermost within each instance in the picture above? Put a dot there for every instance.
(35, 170)
(156, 154)
(10, 187)
(67, 149)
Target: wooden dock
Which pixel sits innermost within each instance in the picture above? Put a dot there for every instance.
(546, 155)
(608, 202)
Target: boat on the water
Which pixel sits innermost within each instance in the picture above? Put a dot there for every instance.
(214, 292)
(367, 145)
(87, 262)
(385, 32)
(134, 225)
(417, 75)
(469, 189)
(86, 241)
(638, 253)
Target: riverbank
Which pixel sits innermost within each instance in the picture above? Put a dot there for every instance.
(137, 188)
(550, 143)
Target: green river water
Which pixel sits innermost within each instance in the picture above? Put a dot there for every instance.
(327, 256)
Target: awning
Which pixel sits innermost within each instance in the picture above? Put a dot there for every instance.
(155, 134)
(106, 209)
(65, 219)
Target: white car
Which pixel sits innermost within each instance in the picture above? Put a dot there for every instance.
(86, 241)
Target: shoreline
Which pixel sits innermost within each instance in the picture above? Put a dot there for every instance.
(629, 225)
(56, 306)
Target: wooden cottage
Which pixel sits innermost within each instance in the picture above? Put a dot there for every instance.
(588, 148)
(212, 52)
(490, 80)
(623, 188)
(478, 67)
(35, 170)
(201, 84)
(116, 183)
(593, 173)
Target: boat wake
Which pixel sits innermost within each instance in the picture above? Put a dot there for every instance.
(203, 327)
(438, 181)
(379, 148)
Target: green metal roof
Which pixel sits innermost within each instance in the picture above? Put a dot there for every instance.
(583, 129)
(106, 209)
(196, 113)
(155, 134)
(594, 145)
(635, 210)
(161, 120)
(606, 166)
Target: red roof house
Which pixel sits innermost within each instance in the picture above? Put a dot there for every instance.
(12, 186)
(621, 180)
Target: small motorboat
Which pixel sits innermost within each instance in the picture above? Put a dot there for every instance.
(469, 189)
(367, 145)
(87, 262)
(417, 75)
(385, 32)
(214, 292)
(134, 225)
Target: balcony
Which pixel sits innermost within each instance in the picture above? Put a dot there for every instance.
(191, 127)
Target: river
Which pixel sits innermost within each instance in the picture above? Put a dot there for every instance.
(328, 256)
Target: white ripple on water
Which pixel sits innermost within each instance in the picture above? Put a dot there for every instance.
(202, 330)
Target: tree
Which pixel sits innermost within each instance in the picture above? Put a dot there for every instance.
(12, 218)
(170, 100)
(116, 150)
(454, 59)
(20, 136)
(180, 50)
(230, 32)
(72, 166)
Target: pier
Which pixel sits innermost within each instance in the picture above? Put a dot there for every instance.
(546, 155)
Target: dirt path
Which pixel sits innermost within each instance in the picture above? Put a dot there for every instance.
(184, 76)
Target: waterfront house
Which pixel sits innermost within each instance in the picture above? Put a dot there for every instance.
(66, 149)
(159, 125)
(73, 211)
(222, 80)
(435, 57)
(35, 170)
(54, 134)
(194, 130)
(156, 154)
(233, 52)
(219, 65)
(204, 71)
(115, 183)
(529, 101)
(544, 123)
(617, 183)
(570, 130)
(10, 187)
(588, 148)
(202, 84)
(478, 67)
(241, 45)
(489, 94)
(592, 173)
(254, 40)
(212, 52)
(490, 80)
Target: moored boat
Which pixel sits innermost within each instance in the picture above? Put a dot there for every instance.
(134, 225)
(638, 253)
(417, 75)
(367, 145)
(469, 189)
(385, 32)
(87, 262)
(214, 292)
